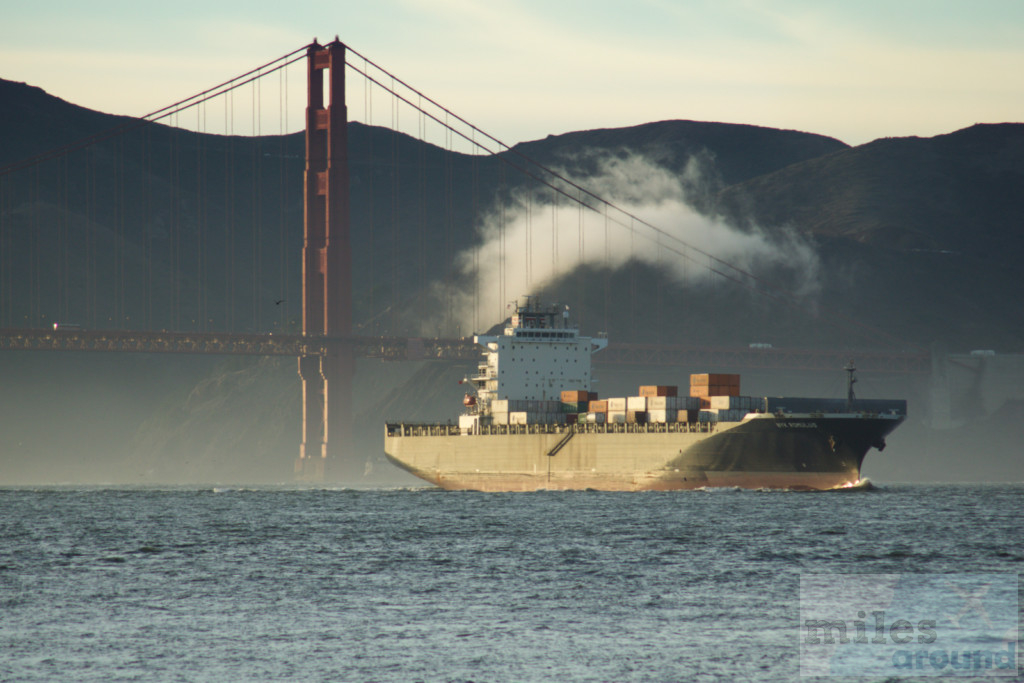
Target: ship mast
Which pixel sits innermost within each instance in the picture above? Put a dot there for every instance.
(850, 381)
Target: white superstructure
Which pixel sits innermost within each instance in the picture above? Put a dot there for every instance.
(537, 358)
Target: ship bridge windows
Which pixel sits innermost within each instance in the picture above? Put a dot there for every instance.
(526, 334)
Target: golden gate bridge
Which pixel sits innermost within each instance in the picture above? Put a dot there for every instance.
(88, 286)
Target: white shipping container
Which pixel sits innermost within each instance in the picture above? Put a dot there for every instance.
(662, 416)
(499, 405)
(617, 405)
(636, 403)
(617, 416)
(665, 402)
(731, 402)
(499, 418)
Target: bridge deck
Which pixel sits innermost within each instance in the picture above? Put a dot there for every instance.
(403, 348)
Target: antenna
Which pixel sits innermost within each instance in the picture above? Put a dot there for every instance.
(851, 369)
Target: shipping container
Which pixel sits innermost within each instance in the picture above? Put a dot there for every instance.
(662, 402)
(617, 416)
(596, 418)
(597, 407)
(745, 403)
(658, 390)
(688, 403)
(715, 390)
(580, 407)
(574, 396)
(616, 405)
(662, 416)
(709, 379)
(707, 416)
(638, 403)
(636, 417)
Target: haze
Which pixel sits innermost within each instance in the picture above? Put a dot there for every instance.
(525, 69)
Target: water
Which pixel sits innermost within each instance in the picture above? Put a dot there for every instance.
(404, 585)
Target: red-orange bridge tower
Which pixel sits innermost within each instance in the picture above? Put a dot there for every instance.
(326, 271)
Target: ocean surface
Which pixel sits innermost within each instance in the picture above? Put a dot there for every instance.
(272, 584)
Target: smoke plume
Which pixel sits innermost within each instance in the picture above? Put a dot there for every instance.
(534, 237)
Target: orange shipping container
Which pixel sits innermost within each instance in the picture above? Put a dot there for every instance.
(659, 390)
(574, 396)
(598, 407)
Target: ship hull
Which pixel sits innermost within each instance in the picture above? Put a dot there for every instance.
(766, 451)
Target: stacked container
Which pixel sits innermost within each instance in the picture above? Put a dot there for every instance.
(658, 390)
(709, 384)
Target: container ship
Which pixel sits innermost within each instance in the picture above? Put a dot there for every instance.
(531, 422)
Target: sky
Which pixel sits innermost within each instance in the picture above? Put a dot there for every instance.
(524, 69)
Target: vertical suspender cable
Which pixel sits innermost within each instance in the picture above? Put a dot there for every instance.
(120, 312)
(632, 277)
(61, 246)
(421, 213)
(147, 220)
(529, 241)
(659, 295)
(201, 199)
(34, 267)
(229, 224)
(5, 258)
(580, 265)
(475, 180)
(89, 265)
(394, 213)
(607, 271)
(282, 263)
(371, 171)
(554, 232)
(502, 298)
(449, 201)
(255, 212)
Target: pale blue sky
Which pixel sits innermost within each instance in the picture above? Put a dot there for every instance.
(523, 69)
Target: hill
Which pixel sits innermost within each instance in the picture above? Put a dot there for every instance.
(894, 244)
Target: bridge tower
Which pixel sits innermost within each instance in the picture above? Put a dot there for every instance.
(326, 450)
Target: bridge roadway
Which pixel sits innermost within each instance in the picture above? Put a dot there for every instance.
(403, 348)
